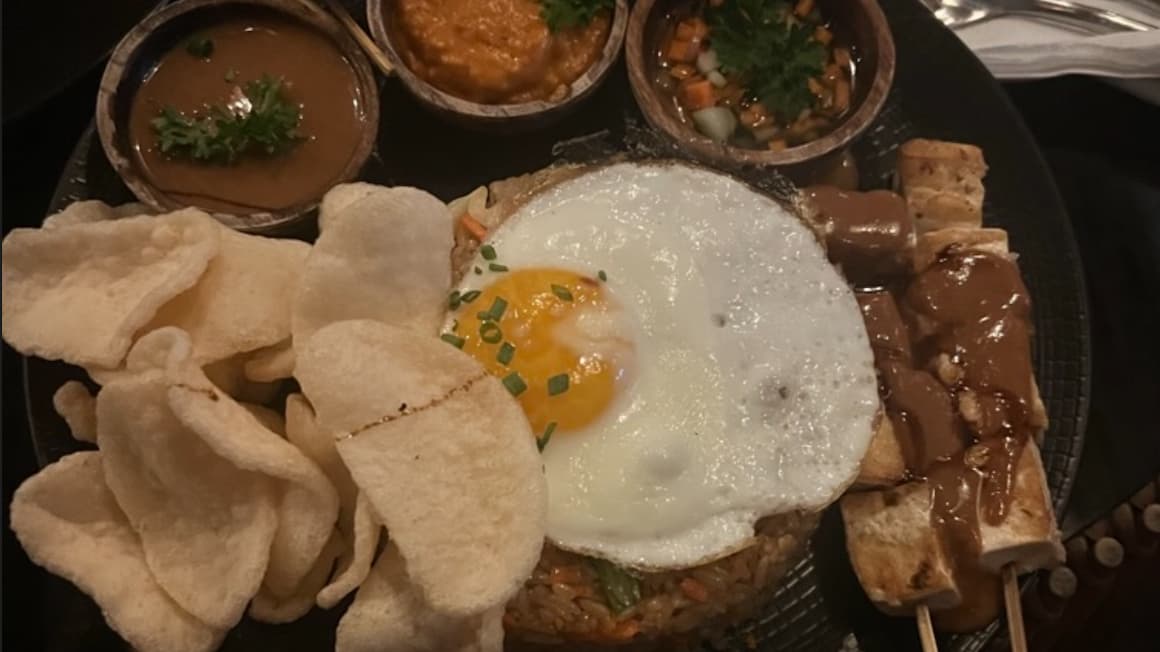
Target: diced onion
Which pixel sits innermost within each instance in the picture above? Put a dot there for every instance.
(716, 79)
(707, 61)
(716, 122)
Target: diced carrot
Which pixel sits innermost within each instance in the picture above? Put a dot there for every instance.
(567, 575)
(841, 95)
(776, 145)
(803, 7)
(683, 51)
(682, 71)
(692, 29)
(842, 57)
(831, 72)
(472, 225)
(823, 35)
(694, 590)
(625, 630)
(698, 95)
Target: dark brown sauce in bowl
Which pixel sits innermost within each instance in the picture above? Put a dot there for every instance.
(316, 77)
(209, 63)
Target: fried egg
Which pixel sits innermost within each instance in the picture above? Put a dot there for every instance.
(688, 357)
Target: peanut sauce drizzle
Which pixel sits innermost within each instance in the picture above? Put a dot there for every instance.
(955, 376)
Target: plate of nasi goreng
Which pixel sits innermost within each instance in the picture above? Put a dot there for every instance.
(547, 325)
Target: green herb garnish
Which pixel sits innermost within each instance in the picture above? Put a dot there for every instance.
(469, 296)
(506, 353)
(565, 14)
(496, 267)
(489, 332)
(478, 270)
(772, 51)
(495, 312)
(200, 47)
(542, 441)
(454, 300)
(562, 292)
(557, 384)
(452, 339)
(487, 251)
(602, 276)
(514, 384)
(265, 123)
(621, 590)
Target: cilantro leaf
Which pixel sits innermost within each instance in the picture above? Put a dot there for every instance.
(760, 41)
(261, 122)
(565, 14)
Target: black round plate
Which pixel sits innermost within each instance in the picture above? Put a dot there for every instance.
(941, 91)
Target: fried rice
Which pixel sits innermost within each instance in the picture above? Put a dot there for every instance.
(564, 603)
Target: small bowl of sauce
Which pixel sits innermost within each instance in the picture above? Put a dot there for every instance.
(760, 82)
(508, 64)
(248, 109)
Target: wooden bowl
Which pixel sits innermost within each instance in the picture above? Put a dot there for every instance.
(141, 49)
(871, 45)
(495, 117)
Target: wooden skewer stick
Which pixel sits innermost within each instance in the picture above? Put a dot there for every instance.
(1014, 609)
(925, 629)
(364, 40)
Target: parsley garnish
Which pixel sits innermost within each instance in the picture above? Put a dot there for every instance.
(602, 276)
(199, 46)
(756, 40)
(496, 267)
(487, 251)
(469, 296)
(565, 14)
(452, 339)
(267, 125)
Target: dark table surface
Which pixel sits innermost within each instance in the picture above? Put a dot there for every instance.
(1095, 137)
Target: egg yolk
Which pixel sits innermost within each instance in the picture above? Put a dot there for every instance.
(556, 340)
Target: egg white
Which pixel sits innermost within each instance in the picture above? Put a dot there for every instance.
(752, 390)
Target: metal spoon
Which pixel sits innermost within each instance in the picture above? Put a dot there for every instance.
(959, 13)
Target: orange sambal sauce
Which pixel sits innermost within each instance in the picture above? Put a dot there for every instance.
(496, 51)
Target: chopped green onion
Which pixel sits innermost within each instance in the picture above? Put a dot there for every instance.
(200, 47)
(455, 325)
(557, 384)
(469, 296)
(454, 300)
(560, 291)
(602, 276)
(478, 270)
(514, 384)
(452, 339)
(496, 267)
(487, 251)
(621, 590)
(543, 440)
(506, 353)
(495, 312)
(490, 332)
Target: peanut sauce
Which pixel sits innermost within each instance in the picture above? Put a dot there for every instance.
(315, 76)
(963, 430)
(496, 51)
(868, 234)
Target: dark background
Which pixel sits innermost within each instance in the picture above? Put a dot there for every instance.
(1101, 143)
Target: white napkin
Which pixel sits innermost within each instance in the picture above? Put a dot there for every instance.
(1017, 47)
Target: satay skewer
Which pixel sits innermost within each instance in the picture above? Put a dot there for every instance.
(1014, 605)
(925, 629)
